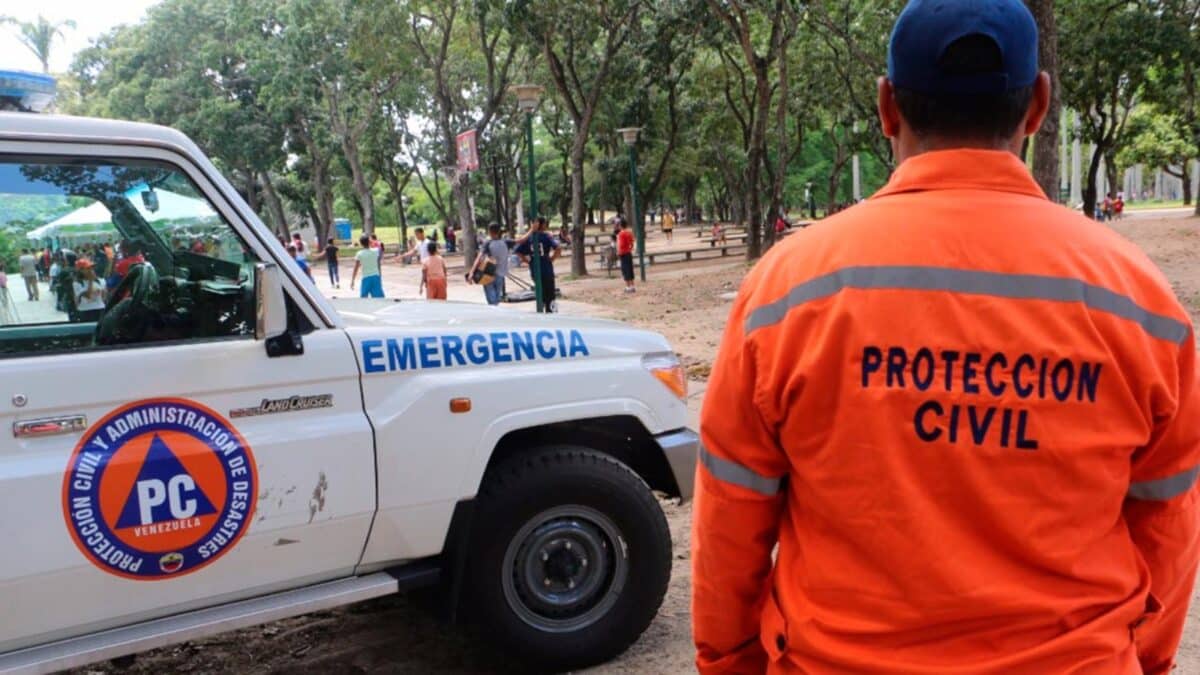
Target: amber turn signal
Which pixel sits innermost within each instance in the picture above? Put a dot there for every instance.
(667, 369)
(460, 405)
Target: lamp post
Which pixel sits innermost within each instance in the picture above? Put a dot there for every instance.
(630, 136)
(527, 101)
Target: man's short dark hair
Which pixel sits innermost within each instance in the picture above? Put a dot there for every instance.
(419, 229)
(364, 241)
(986, 117)
(494, 228)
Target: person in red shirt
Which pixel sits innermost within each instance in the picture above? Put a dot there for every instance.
(131, 254)
(625, 255)
(780, 224)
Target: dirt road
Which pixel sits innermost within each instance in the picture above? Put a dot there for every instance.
(393, 635)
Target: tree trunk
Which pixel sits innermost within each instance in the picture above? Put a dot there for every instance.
(781, 133)
(320, 183)
(1186, 177)
(466, 217)
(1045, 148)
(578, 254)
(362, 190)
(564, 205)
(275, 207)
(250, 187)
(1089, 187)
(1110, 171)
(758, 141)
(397, 193)
(498, 195)
(835, 175)
(313, 217)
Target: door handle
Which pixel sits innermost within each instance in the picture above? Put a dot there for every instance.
(50, 426)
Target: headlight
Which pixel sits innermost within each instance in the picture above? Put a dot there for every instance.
(666, 368)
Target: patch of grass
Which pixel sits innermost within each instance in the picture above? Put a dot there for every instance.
(1152, 204)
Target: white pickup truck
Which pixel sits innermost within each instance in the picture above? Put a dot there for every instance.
(200, 441)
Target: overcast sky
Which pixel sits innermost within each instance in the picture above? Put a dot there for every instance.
(92, 18)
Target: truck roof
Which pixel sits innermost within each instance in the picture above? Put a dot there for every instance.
(34, 126)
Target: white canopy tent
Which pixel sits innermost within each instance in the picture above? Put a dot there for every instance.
(174, 211)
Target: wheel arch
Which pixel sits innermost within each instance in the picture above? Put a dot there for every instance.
(622, 437)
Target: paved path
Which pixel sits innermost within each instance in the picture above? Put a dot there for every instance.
(30, 311)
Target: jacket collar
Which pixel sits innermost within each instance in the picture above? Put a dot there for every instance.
(962, 169)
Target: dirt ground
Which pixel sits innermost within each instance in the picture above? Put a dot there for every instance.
(689, 304)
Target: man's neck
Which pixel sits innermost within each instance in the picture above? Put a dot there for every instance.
(913, 145)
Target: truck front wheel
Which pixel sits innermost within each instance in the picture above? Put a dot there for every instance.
(570, 558)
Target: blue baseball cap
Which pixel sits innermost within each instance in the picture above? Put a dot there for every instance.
(926, 28)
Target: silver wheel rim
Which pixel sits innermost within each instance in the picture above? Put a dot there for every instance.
(565, 568)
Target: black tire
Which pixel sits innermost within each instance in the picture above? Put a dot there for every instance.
(532, 504)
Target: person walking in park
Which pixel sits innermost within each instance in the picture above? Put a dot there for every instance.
(494, 252)
(985, 458)
(718, 234)
(433, 273)
(625, 255)
(548, 252)
(377, 246)
(301, 249)
(668, 224)
(420, 248)
(331, 262)
(28, 265)
(366, 260)
(300, 262)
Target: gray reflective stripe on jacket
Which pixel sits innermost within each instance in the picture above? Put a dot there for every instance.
(1015, 286)
(1162, 489)
(731, 472)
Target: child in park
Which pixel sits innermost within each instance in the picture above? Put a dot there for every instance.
(433, 274)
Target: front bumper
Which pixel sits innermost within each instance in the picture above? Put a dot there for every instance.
(682, 449)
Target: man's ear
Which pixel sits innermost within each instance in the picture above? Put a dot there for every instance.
(889, 112)
(1039, 105)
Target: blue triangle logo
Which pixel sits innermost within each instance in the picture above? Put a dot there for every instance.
(163, 491)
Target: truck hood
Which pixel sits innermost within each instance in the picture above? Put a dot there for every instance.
(423, 316)
(419, 335)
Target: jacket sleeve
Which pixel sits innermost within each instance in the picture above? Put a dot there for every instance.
(1163, 514)
(737, 510)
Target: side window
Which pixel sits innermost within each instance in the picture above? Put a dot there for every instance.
(104, 253)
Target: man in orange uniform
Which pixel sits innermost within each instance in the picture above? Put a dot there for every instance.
(968, 418)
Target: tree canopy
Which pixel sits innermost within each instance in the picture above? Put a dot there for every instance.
(319, 109)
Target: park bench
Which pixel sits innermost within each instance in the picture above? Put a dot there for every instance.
(695, 253)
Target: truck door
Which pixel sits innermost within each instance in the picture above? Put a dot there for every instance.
(155, 458)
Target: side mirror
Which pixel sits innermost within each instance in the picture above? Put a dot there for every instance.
(271, 316)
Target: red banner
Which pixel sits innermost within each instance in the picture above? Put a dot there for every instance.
(468, 151)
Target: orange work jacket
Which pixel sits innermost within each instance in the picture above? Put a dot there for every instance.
(969, 420)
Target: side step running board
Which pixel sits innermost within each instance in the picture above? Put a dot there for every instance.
(140, 637)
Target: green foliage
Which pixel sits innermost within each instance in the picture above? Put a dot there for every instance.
(10, 247)
(318, 109)
(1156, 139)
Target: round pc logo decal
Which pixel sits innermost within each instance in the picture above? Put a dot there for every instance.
(159, 488)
